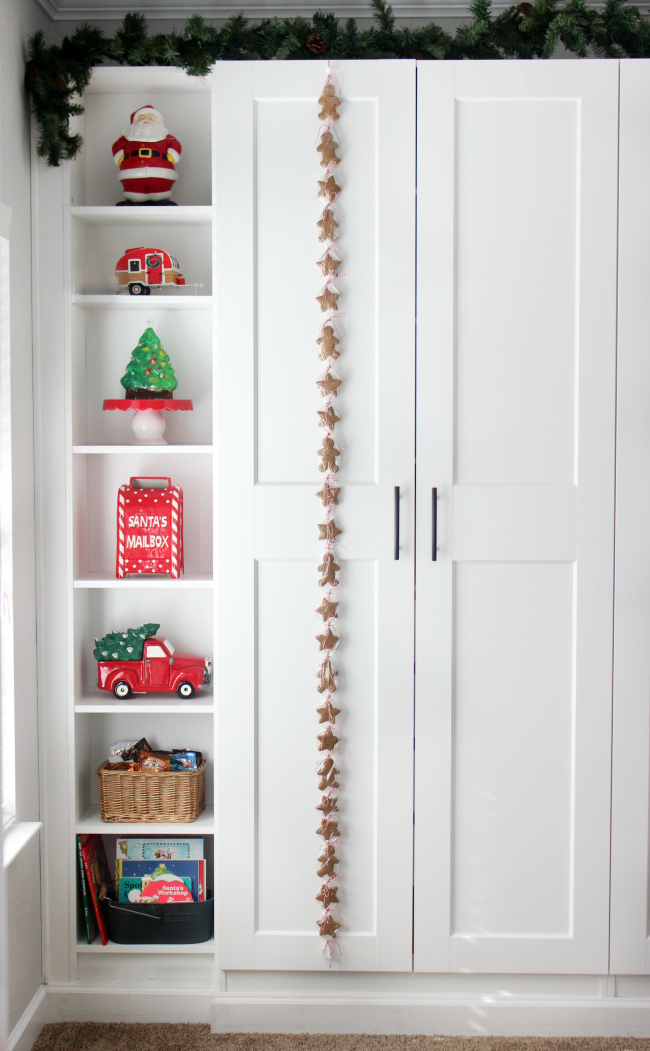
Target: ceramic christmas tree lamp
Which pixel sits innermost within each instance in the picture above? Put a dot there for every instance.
(149, 384)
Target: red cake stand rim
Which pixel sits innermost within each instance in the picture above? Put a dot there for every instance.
(171, 404)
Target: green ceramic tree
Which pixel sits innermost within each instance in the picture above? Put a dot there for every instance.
(149, 373)
(124, 645)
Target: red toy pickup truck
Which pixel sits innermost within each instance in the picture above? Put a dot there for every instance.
(161, 670)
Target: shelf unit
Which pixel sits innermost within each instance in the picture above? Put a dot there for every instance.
(113, 947)
(102, 329)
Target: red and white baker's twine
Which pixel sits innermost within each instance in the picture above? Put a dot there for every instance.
(329, 732)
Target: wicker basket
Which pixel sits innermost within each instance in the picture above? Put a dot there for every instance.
(150, 795)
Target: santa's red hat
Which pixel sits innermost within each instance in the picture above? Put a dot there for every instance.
(149, 109)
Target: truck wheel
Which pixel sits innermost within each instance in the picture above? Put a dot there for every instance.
(185, 690)
(138, 289)
(122, 689)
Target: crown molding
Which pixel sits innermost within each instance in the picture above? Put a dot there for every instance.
(99, 10)
(109, 11)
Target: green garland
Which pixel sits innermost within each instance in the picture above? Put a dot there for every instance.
(57, 75)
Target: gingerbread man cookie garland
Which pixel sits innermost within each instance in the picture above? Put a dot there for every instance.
(329, 342)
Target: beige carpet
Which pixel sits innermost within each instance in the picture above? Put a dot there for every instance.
(94, 1036)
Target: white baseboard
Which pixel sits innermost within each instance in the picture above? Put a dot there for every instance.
(465, 1016)
(26, 1032)
(440, 1017)
(91, 1003)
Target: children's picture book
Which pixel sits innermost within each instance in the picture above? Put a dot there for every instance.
(165, 889)
(88, 910)
(97, 876)
(148, 870)
(189, 848)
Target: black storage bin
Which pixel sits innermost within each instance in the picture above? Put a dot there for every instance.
(180, 923)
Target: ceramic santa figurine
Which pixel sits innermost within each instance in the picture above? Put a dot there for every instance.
(146, 156)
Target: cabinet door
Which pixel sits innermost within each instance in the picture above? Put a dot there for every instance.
(630, 944)
(267, 322)
(517, 213)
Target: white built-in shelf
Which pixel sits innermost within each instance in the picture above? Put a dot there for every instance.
(145, 580)
(138, 450)
(143, 215)
(92, 822)
(181, 301)
(103, 702)
(198, 947)
(125, 80)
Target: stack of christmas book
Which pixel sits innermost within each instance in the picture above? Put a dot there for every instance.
(147, 871)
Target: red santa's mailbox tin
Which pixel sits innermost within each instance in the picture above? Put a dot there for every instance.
(150, 527)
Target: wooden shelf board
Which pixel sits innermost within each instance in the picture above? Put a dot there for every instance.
(104, 702)
(153, 302)
(92, 822)
(198, 947)
(133, 450)
(146, 580)
(143, 215)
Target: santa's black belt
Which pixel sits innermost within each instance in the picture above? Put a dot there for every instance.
(144, 153)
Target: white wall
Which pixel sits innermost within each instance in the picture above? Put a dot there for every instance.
(18, 20)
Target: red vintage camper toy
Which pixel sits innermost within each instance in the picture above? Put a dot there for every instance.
(150, 528)
(141, 269)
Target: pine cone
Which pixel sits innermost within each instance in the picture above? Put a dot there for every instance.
(316, 44)
(525, 9)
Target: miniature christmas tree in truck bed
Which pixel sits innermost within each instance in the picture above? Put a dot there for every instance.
(124, 645)
(149, 373)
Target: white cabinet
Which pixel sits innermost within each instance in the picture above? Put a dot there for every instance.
(630, 944)
(267, 322)
(517, 225)
(476, 687)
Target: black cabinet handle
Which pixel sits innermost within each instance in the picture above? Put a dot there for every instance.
(434, 525)
(396, 515)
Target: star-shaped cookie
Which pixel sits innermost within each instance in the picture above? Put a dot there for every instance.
(327, 641)
(327, 712)
(328, 805)
(329, 265)
(328, 893)
(329, 300)
(327, 609)
(327, 740)
(329, 384)
(328, 188)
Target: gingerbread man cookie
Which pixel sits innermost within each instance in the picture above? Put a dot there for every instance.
(328, 103)
(329, 781)
(328, 344)
(329, 569)
(327, 147)
(328, 225)
(326, 675)
(328, 453)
